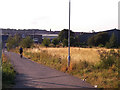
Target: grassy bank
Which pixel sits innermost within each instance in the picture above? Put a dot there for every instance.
(8, 73)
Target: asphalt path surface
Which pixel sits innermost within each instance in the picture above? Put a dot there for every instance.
(33, 75)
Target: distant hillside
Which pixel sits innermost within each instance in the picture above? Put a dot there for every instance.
(84, 37)
(27, 31)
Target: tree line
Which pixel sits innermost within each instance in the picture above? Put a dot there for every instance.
(62, 39)
(101, 39)
(13, 42)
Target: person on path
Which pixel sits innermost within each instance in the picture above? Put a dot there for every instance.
(21, 51)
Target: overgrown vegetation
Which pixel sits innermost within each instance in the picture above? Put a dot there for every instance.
(8, 73)
(104, 74)
(46, 59)
(108, 59)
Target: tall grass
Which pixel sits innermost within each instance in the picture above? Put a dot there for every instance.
(77, 54)
(46, 59)
(8, 73)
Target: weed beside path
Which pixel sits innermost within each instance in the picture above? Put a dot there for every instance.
(8, 73)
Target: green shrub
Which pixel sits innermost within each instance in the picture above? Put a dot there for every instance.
(46, 42)
(51, 45)
(65, 42)
(112, 42)
(107, 45)
(8, 73)
(64, 34)
(26, 42)
(107, 62)
(108, 59)
(100, 38)
(100, 45)
(55, 41)
(13, 42)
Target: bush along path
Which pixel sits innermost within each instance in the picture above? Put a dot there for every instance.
(103, 74)
(8, 73)
(34, 75)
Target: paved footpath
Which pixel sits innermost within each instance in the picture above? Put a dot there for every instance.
(33, 75)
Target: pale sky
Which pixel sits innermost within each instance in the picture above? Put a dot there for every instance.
(86, 15)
